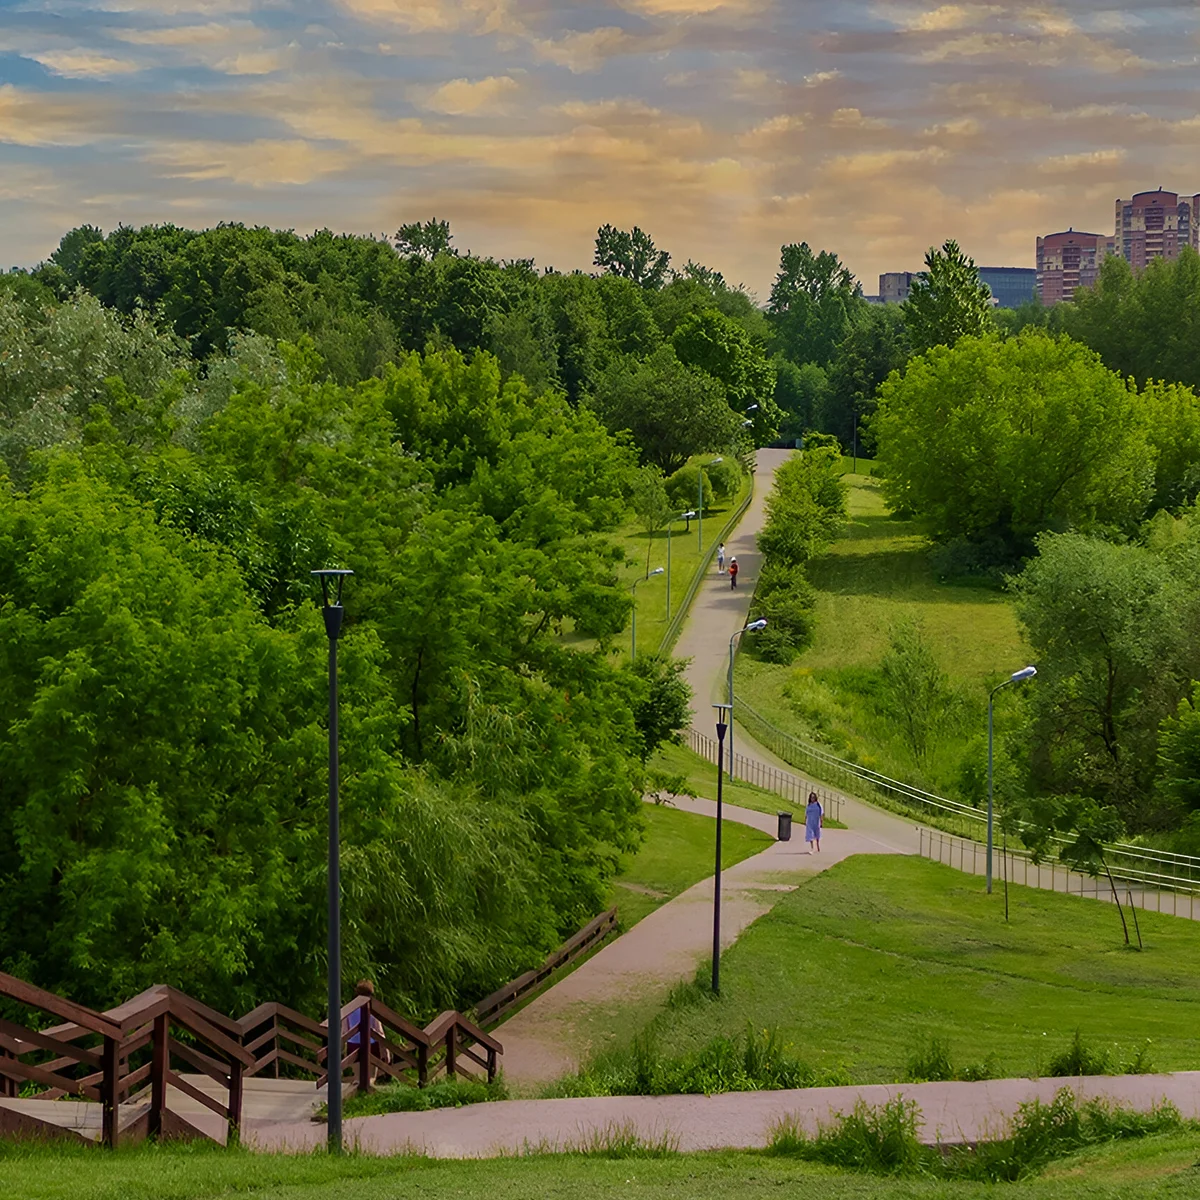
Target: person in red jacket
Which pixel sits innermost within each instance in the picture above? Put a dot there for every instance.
(733, 570)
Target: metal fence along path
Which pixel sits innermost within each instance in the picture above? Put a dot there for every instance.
(1018, 867)
(1138, 867)
(789, 787)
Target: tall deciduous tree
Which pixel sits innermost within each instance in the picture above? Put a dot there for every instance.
(813, 302)
(995, 441)
(672, 410)
(1105, 623)
(425, 239)
(948, 300)
(719, 346)
(632, 255)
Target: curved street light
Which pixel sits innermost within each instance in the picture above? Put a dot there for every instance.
(684, 516)
(633, 621)
(1016, 677)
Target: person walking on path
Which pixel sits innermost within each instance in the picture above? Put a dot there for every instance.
(365, 987)
(733, 570)
(814, 817)
(720, 558)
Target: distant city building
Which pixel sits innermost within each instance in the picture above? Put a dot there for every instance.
(1156, 225)
(894, 287)
(1066, 261)
(1010, 286)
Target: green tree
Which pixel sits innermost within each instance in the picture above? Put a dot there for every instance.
(1147, 324)
(995, 441)
(717, 345)
(916, 690)
(948, 301)
(1106, 625)
(632, 255)
(649, 501)
(671, 410)
(425, 239)
(813, 303)
(875, 346)
(801, 394)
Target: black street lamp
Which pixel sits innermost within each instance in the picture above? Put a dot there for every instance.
(723, 715)
(333, 612)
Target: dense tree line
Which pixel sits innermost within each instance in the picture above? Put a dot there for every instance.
(163, 688)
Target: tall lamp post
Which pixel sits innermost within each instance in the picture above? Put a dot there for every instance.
(633, 636)
(1016, 677)
(700, 502)
(687, 516)
(723, 724)
(753, 627)
(333, 612)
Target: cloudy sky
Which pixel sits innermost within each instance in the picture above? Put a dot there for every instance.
(724, 127)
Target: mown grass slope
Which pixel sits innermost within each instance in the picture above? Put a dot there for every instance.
(876, 576)
(862, 965)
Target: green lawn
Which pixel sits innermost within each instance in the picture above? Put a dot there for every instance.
(651, 593)
(678, 852)
(859, 967)
(701, 776)
(1155, 1169)
(877, 574)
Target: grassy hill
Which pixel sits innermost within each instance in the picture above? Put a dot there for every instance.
(876, 576)
(677, 852)
(864, 964)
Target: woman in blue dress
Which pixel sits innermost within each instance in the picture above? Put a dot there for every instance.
(813, 819)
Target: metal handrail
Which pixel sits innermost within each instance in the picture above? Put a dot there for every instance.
(1117, 852)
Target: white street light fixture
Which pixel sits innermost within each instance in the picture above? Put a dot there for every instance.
(753, 627)
(1016, 677)
(633, 618)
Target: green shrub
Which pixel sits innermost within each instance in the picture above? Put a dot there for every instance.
(683, 488)
(1080, 1059)
(881, 1140)
(445, 1093)
(787, 600)
(931, 1062)
(884, 1140)
(725, 477)
(755, 1061)
(1042, 1133)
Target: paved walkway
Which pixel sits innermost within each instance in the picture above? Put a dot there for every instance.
(950, 1113)
(553, 1035)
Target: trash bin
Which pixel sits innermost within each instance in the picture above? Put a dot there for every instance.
(785, 827)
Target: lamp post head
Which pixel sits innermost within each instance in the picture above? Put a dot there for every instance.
(747, 424)
(755, 626)
(657, 571)
(714, 461)
(1023, 674)
(687, 516)
(332, 580)
(752, 408)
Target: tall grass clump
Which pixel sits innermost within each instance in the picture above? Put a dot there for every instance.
(447, 1092)
(755, 1061)
(883, 1140)
(932, 1063)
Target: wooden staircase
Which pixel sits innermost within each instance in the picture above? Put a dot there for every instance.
(162, 1064)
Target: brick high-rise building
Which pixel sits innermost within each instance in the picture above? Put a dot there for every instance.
(1156, 225)
(1066, 261)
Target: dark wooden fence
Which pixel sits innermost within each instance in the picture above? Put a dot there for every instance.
(493, 1008)
(130, 1055)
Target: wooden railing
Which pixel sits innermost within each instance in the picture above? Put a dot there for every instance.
(492, 1008)
(130, 1055)
(123, 1055)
